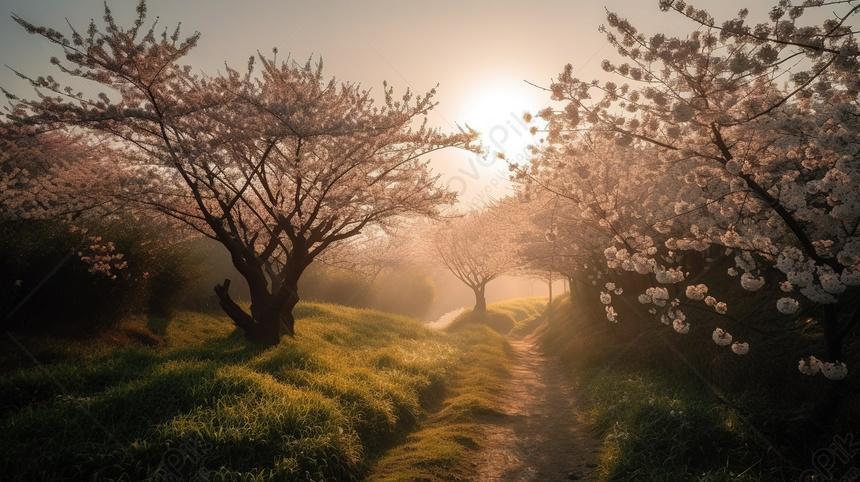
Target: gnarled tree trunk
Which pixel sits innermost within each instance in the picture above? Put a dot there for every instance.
(269, 319)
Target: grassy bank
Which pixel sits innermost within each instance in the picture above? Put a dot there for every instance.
(447, 440)
(673, 407)
(516, 316)
(205, 403)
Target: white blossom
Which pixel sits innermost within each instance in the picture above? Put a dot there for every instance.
(721, 337)
(605, 298)
(696, 292)
(787, 305)
(832, 370)
(751, 283)
(680, 326)
(659, 296)
(669, 276)
(611, 315)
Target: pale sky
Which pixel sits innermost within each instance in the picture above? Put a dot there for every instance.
(479, 52)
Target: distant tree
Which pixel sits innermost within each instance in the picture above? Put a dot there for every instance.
(757, 129)
(276, 164)
(476, 248)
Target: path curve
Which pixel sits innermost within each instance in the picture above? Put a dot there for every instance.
(539, 435)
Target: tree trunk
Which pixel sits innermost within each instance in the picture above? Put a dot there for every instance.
(831, 333)
(480, 299)
(271, 315)
(269, 323)
(289, 291)
(827, 409)
(549, 305)
(240, 318)
(273, 294)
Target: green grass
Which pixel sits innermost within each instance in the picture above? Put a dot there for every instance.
(206, 403)
(516, 316)
(679, 407)
(657, 429)
(448, 438)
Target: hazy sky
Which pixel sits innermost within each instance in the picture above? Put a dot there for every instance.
(479, 52)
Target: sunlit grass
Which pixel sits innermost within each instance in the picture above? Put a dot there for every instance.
(441, 448)
(208, 404)
(448, 438)
(506, 317)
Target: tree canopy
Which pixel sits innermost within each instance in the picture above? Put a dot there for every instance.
(740, 138)
(276, 162)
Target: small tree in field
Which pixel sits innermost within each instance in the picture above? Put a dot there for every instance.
(476, 248)
(757, 129)
(277, 164)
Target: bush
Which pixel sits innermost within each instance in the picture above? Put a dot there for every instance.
(407, 291)
(43, 267)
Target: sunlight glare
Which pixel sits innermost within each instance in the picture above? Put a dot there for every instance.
(497, 113)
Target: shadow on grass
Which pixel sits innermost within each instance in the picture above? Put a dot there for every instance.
(158, 324)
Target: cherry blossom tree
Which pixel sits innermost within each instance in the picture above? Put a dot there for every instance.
(553, 241)
(477, 248)
(276, 162)
(755, 133)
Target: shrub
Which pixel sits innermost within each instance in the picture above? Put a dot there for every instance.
(43, 266)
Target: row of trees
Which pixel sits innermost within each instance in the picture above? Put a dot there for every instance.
(738, 140)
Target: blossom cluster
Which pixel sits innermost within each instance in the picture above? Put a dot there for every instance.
(655, 294)
(696, 292)
(101, 258)
(832, 370)
(722, 337)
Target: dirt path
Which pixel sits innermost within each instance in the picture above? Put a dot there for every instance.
(539, 437)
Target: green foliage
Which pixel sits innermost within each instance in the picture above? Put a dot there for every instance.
(71, 300)
(208, 403)
(43, 257)
(657, 429)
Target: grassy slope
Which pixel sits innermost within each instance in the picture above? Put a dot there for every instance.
(674, 407)
(441, 449)
(513, 316)
(208, 404)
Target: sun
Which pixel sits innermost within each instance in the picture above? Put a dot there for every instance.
(496, 111)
